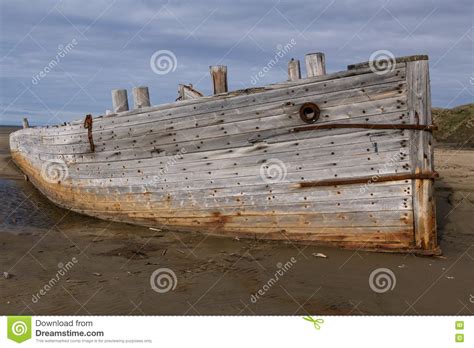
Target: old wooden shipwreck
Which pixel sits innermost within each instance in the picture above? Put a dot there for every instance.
(342, 159)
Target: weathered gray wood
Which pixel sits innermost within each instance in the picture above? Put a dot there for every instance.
(242, 99)
(386, 150)
(397, 60)
(204, 107)
(326, 100)
(197, 164)
(419, 104)
(219, 78)
(158, 192)
(377, 100)
(315, 64)
(26, 124)
(187, 92)
(246, 177)
(119, 100)
(294, 70)
(199, 199)
(141, 97)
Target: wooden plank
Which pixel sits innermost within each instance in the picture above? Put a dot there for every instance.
(218, 104)
(256, 153)
(260, 193)
(304, 161)
(398, 60)
(422, 159)
(250, 131)
(325, 100)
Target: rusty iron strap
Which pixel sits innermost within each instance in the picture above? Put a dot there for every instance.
(370, 179)
(420, 127)
(88, 125)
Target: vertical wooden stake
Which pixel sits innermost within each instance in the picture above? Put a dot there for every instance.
(294, 70)
(315, 64)
(26, 124)
(181, 92)
(141, 97)
(119, 100)
(219, 78)
(419, 106)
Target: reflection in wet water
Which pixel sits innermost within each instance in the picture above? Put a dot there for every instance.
(23, 207)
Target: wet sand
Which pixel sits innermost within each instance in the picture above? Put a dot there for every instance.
(112, 263)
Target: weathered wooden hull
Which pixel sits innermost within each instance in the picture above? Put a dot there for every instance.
(245, 164)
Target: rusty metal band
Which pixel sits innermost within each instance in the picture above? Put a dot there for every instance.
(420, 127)
(88, 125)
(370, 179)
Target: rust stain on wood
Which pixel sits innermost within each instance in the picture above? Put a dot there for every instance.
(369, 179)
(428, 128)
(88, 125)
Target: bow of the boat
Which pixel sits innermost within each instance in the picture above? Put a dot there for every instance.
(49, 175)
(22, 148)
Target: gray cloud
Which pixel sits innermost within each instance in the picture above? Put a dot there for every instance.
(115, 40)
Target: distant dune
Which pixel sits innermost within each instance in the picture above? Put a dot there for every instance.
(456, 125)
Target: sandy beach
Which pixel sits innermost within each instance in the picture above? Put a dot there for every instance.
(110, 264)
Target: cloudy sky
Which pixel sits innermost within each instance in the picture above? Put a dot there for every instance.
(59, 60)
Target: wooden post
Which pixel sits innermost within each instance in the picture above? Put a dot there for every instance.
(26, 124)
(141, 97)
(119, 100)
(419, 106)
(315, 64)
(219, 78)
(294, 70)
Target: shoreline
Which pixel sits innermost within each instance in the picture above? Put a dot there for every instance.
(115, 262)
